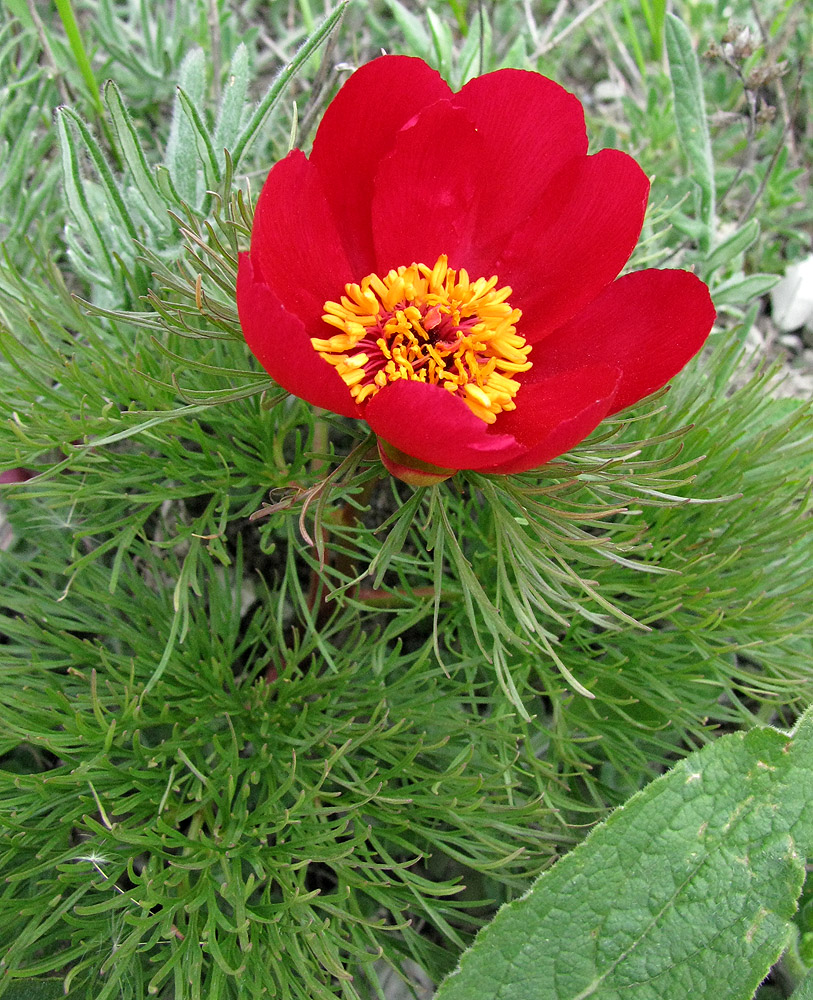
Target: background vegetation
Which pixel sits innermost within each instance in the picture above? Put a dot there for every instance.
(307, 754)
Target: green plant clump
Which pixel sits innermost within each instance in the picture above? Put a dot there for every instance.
(273, 723)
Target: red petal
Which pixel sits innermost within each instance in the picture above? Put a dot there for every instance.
(15, 476)
(426, 190)
(279, 342)
(647, 323)
(411, 470)
(530, 128)
(576, 240)
(358, 130)
(295, 245)
(428, 423)
(554, 414)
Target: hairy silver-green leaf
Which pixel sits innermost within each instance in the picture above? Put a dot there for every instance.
(78, 202)
(277, 88)
(741, 289)
(133, 154)
(688, 890)
(690, 117)
(232, 103)
(732, 247)
(181, 157)
(442, 41)
(115, 201)
(478, 43)
(202, 141)
(415, 34)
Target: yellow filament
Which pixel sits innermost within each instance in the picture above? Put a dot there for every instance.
(428, 324)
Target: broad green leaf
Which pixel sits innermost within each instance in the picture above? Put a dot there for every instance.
(690, 117)
(686, 891)
(804, 991)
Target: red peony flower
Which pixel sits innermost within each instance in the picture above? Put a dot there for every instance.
(444, 266)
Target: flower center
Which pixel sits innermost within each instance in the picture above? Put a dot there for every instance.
(428, 324)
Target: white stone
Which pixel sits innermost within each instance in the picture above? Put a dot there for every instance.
(608, 90)
(792, 298)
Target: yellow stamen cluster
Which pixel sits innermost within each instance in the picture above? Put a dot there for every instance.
(428, 324)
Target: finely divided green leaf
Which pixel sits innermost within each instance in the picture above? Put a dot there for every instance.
(688, 890)
(35, 989)
(690, 117)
